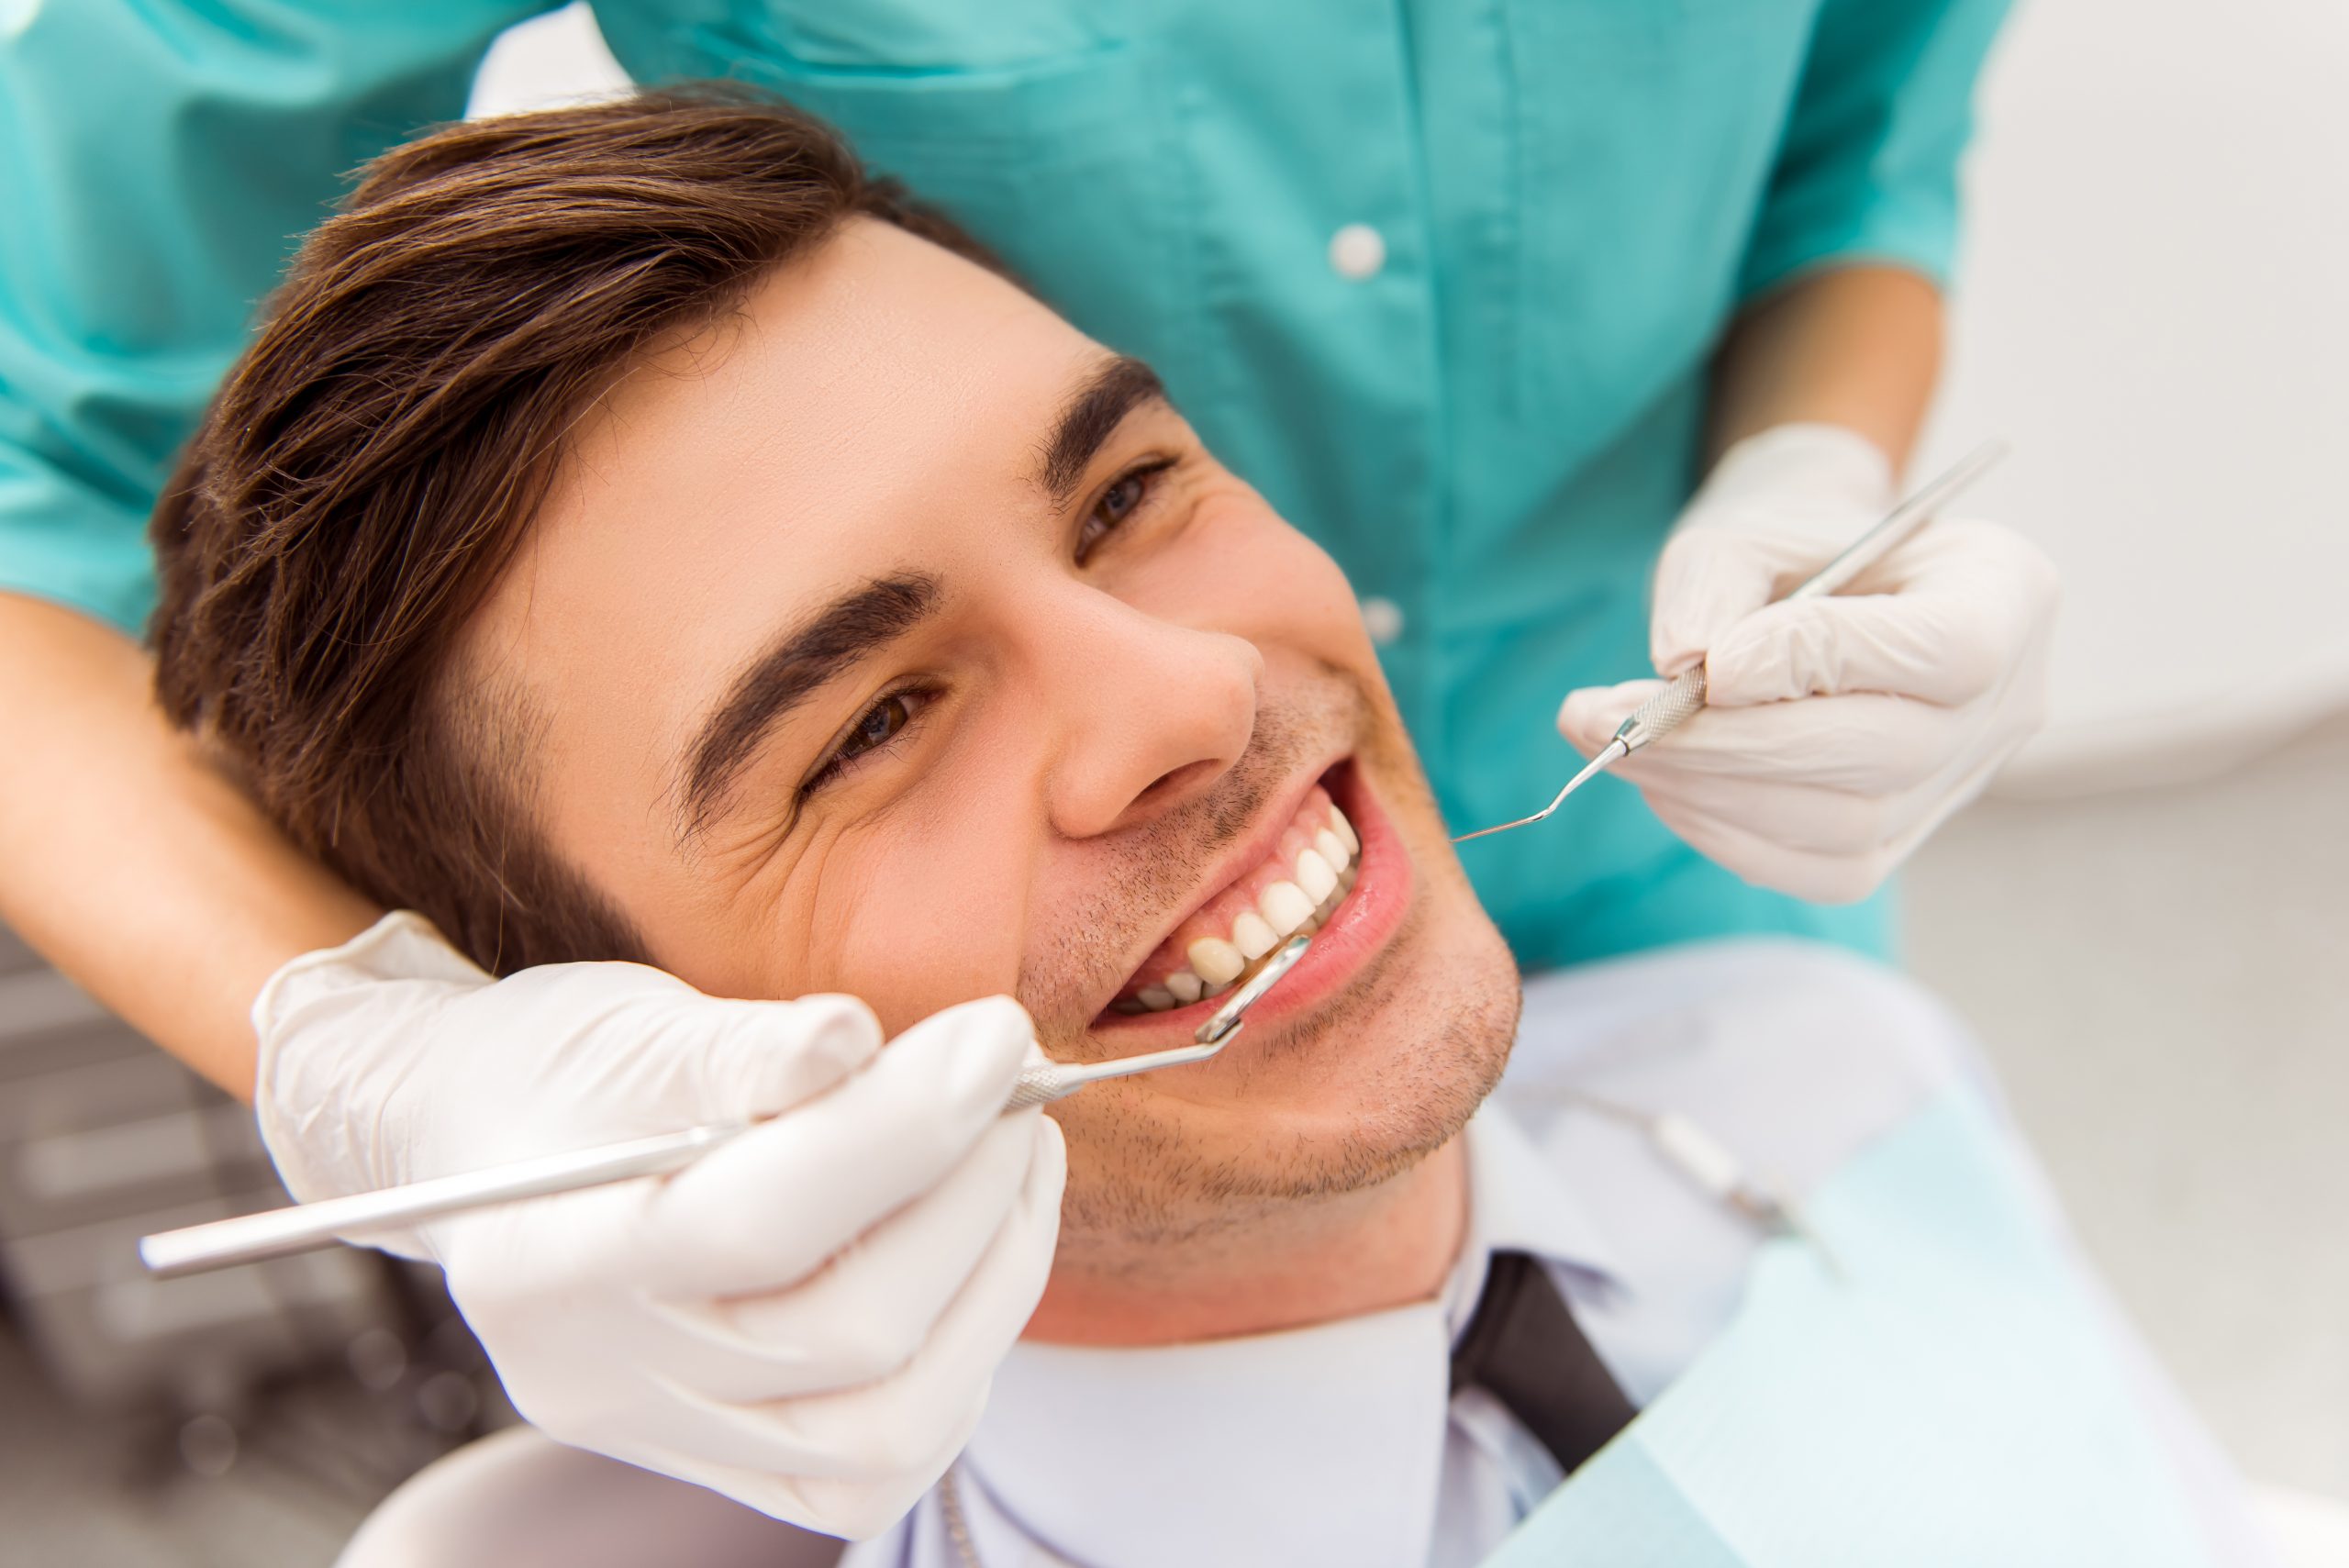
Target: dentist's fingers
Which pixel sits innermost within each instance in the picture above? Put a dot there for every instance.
(889, 1426)
(1706, 582)
(1865, 743)
(1966, 602)
(867, 1313)
(752, 1059)
(1590, 715)
(1837, 730)
(853, 1510)
(1800, 818)
(766, 1209)
(648, 1039)
(1810, 818)
(1822, 797)
(1811, 489)
(1812, 875)
(1898, 645)
(1824, 846)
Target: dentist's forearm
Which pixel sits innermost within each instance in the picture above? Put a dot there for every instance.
(1859, 347)
(144, 875)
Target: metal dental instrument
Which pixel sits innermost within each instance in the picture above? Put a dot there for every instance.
(1672, 707)
(250, 1237)
(1055, 1080)
(1705, 1161)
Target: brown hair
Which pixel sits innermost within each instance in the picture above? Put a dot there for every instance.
(369, 465)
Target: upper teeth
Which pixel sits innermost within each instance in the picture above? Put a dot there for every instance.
(1253, 936)
(1317, 880)
(1345, 831)
(1284, 907)
(1213, 961)
(1316, 875)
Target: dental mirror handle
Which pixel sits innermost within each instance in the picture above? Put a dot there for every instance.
(299, 1227)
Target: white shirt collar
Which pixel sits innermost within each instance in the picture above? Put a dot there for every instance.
(1519, 1203)
(1313, 1445)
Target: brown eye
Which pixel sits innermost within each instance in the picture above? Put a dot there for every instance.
(877, 728)
(1123, 498)
(1117, 504)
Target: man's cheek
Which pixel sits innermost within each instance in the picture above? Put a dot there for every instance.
(914, 956)
(926, 985)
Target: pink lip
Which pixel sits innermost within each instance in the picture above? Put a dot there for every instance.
(1237, 861)
(1361, 924)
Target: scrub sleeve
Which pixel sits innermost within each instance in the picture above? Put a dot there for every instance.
(159, 164)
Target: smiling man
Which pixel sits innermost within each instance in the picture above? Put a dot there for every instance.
(886, 636)
(636, 536)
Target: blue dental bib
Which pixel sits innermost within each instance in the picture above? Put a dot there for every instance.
(1944, 1394)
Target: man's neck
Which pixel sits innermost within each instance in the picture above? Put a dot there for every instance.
(1342, 1257)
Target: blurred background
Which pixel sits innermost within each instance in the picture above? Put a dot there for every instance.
(2147, 922)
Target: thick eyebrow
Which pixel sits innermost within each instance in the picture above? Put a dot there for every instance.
(1114, 391)
(800, 664)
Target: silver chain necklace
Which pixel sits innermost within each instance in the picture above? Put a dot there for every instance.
(958, 1525)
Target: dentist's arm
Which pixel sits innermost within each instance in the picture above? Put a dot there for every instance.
(158, 161)
(145, 876)
(1840, 731)
(1856, 347)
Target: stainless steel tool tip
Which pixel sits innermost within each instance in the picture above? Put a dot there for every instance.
(1045, 1081)
(1226, 1018)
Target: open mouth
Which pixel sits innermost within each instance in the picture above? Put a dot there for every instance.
(1297, 885)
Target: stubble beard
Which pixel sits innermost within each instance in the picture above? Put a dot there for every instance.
(1141, 1188)
(1153, 1181)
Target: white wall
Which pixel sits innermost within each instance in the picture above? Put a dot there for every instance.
(2155, 305)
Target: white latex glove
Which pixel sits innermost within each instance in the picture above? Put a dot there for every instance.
(807, 1320)
(1840, 731)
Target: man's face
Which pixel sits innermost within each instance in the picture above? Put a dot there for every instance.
(892, 638)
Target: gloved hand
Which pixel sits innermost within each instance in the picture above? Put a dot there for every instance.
(1914, 683)
(807, 1320)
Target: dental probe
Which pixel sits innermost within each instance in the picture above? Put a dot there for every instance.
(299, 1227)
(1674, 706)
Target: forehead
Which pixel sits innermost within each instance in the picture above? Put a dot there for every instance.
(842, 381)
(862, 411)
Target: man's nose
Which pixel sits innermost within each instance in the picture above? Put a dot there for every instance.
(1149, 712)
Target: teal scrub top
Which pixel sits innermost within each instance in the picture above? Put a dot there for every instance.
(1485, 399)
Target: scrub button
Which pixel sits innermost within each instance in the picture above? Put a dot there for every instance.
(1383, 619)
(1357, 252)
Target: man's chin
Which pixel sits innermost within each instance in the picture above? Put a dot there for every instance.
(1344, 1100)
